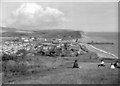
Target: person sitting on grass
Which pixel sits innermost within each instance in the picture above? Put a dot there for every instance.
(112, 66)
(102, 64)
(75, 64)
(116, 64)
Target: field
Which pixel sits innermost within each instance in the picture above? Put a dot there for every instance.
(88, 73)
(76, 76)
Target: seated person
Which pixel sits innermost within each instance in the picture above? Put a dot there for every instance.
(112, 66)
(75, 64)
(102, 63)
(116, 64)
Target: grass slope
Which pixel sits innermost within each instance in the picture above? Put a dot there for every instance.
(89, 73)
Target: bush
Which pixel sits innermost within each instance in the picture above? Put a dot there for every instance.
(13, 67)
(22, 52)
(6, 57)
(93, 55)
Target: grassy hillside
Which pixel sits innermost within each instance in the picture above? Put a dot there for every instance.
(8, 29)
(46, 33)
(88, 73)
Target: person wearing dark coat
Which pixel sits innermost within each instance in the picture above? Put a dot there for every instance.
(75, 64)
(102, 64)
(116, 64)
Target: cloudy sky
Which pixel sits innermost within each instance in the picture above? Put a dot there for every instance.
(86, 16)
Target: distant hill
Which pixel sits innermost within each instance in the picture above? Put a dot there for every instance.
(7, 29)
(56, 33)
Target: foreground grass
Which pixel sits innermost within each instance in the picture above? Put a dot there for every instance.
(68, 75)
(88, 73)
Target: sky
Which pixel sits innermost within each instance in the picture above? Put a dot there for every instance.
(85, 16)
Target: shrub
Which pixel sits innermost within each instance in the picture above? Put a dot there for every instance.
(13, 67)
(93, 55)
(21, 52)
(6, 57)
